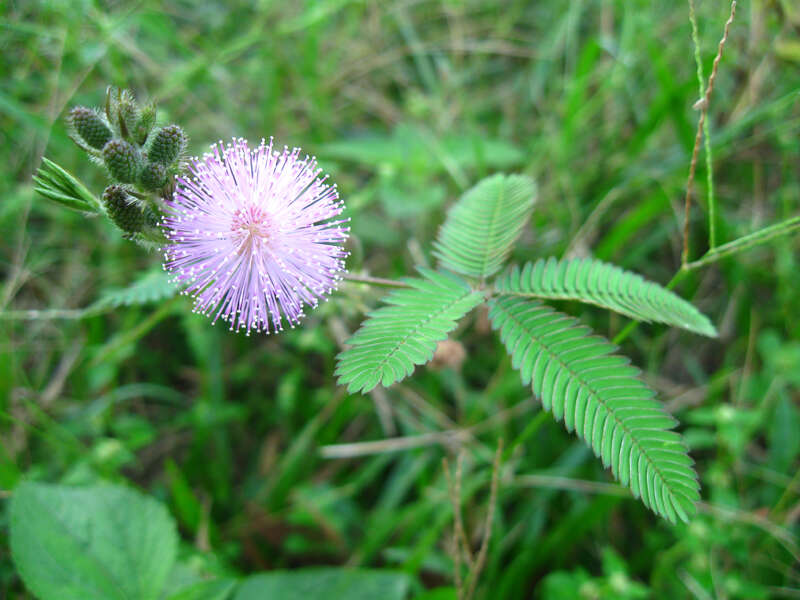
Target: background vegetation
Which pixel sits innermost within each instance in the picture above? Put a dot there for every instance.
(407, 104)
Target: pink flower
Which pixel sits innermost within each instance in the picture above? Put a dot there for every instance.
(251, 235)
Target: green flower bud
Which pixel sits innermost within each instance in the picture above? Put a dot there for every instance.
(122, 160)
(122, 208)
(89, 126)
(153, 176)
(167, 145)
(127, 113)
(147, 119)
(151, 217)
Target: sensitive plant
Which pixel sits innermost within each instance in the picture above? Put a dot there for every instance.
(254, 236)
(608, 135)
(251, 234)
(575, 373)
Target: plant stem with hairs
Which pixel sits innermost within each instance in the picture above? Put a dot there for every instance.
(703, 105)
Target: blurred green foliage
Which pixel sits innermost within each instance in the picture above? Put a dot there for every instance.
(407, 105)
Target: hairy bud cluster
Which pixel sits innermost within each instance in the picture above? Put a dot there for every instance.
(141, 159)
(127, 113)
(147, 119)
(153, 176)
(167, 145)
(122, 160)
(90, 126)
(123, 209)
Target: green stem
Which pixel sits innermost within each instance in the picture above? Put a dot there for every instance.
(379, 281)
(712, 203)
(745, 242)
(49, 313)
(715, 254)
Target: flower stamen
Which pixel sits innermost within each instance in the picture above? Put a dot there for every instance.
(252, 236)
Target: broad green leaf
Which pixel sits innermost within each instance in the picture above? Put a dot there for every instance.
(605, 285)
(481, 228)
(397, 337)
(600, 396)
(218, 589)
(92, 543)
(325, 584)
(198, 575)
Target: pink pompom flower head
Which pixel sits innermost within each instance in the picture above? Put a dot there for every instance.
(253, 237)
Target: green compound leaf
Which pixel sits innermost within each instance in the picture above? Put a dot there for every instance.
(151, 286)
(56, 184)
(92, 543)
(483, 225)
(598, 395)
(606, 285)
(397, 337)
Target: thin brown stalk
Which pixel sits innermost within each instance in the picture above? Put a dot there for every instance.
(461, 546)
(456, 538)
(480, 561)
(456, 552)
(469, 559)
(703, 105)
